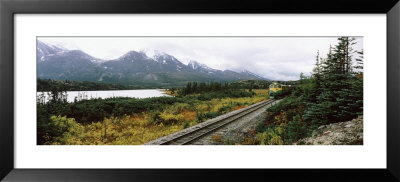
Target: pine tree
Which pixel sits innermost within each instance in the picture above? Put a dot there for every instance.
(343, 53)
(359, 63)
(317, 72)
(341, 92)
(335, 87)
(317, 80)
(188, 89)
(316, 112)
(202, 87)
(194, 87)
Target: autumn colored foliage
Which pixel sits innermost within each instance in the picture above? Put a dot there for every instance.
(129, 121)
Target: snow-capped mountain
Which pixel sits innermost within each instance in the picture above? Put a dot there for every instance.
(43, 50)
(137, 68)
(46, 51)
(169, 62)
(164, 58)
(251, 74)
(133, 56)
(201, 67)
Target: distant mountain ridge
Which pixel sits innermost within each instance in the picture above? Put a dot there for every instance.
(132, 68)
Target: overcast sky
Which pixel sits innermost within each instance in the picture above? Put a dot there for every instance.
(276, 58)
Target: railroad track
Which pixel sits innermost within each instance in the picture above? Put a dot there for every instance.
(197, 132)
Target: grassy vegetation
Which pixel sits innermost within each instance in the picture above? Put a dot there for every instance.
(129, 121)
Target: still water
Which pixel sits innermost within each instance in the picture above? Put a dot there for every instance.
(81, 95)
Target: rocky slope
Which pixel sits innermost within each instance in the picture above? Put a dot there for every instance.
(344, 133)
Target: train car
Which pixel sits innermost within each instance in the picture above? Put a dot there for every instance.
(278, 90)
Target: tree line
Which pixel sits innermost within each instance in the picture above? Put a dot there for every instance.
(67, 85)
(211, 86)
(201, 87)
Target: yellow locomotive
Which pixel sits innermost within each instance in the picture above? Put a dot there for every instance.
(278, 90)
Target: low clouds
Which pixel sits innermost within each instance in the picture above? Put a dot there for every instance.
(277, 58)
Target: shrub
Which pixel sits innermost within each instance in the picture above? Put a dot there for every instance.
(212, 114)
(168, 118)
(224, 109)
(64, 127)
(186, 125)
(295, 130)
(217, 138)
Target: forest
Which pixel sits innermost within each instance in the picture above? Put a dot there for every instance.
(333, 93)
(200, 87)
(46, 85)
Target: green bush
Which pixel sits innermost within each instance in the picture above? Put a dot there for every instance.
(224, 109)
(212, 114)
(186, 125)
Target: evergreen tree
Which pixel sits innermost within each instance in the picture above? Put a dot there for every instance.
(194, 87)
(188, 89)
(341, 93)
(333, 83)
(359, 63)
(202, 87)
(317, 72)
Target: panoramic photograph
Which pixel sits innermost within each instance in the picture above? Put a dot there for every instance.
(199, 90)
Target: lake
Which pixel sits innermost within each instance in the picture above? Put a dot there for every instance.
(145, 93)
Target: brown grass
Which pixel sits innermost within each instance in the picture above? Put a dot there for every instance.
(238, 107)
(217, 138)
(189, 115)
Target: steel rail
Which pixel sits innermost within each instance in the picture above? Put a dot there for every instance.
(193, 135)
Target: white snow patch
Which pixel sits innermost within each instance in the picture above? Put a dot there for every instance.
(40, 50)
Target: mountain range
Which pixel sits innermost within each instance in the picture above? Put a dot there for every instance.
(132, 68)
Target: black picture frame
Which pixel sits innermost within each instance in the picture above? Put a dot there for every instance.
(8, 8)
